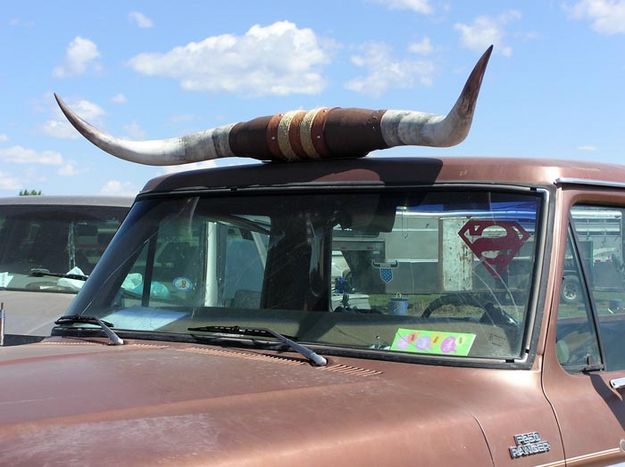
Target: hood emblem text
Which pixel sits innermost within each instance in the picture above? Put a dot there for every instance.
(528, 444)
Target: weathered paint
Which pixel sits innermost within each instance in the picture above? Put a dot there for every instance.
(184, 404)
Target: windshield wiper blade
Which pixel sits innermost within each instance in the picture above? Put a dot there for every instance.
(311, 355)
(105, 325)
(45, 272)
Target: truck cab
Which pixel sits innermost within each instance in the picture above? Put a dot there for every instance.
(431, 288)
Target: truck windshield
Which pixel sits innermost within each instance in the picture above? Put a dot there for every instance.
(53, 238)
(443, 273)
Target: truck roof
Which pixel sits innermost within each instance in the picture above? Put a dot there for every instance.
(77, 200)
(394, 170)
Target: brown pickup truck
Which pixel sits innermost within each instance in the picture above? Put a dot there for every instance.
(368, 311)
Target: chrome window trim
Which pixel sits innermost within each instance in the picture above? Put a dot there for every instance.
(540, 266)
(588, 182)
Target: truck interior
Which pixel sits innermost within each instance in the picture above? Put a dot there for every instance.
(345, 269)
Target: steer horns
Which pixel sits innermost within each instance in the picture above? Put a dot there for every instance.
(299, 135)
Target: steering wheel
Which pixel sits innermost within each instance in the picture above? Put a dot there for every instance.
(492, 313)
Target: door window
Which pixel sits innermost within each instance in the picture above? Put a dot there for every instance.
(576, 341)
(599, 231)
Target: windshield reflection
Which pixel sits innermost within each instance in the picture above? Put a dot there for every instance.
(445, 273)
(56, 239)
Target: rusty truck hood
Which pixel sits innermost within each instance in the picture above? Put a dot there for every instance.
(146, 403)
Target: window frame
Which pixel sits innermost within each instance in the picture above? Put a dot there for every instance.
(585, 283)
(585, 286)
(540, 272)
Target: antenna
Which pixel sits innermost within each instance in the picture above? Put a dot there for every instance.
(1, 324)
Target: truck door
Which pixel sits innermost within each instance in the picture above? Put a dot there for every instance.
(584, 367)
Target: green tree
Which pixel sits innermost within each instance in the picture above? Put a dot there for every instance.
(30, 193)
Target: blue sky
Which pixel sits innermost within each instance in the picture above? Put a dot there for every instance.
(555, 86)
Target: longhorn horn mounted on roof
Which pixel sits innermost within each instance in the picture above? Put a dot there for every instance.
(300, 135)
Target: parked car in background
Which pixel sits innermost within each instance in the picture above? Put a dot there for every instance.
(47, 243)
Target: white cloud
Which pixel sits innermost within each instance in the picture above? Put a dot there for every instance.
(423, 47)
(20, 23)
(80, 56)
(117, 188)
(119, 98)
(487, 30)
(140, 20)
(21, 155)
(67, 170)
(182, 118)
(279, 59)
(134, 131)
(418, 6)
(588, 148)
(385, 71)
(8, 182)
(606, 16)
(3, 138)
(59, 127)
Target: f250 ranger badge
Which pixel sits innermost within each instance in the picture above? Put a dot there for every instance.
(528, 444)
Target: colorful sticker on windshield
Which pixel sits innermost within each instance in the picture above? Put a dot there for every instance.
(433, 342)
(386, 270)
(182, 283)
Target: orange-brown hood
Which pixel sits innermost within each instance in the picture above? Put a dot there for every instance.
(76, 403)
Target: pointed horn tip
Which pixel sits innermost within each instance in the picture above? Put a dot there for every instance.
(62, 105)
(76, 120)
(480, 66)
(486, 55)
(462, 112)
(474, 81)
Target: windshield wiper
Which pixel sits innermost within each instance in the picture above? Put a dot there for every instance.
(45, 272)
(311, 355)
(105, 325)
